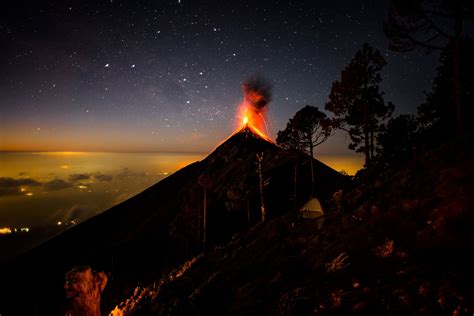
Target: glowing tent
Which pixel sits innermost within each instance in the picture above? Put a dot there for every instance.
(312, 209)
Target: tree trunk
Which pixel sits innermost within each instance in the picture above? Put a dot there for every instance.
(367, 148)
(260, 175)
(199, 220)
(204, 218)
(248, 210)
(372, 145)
(366, 129)
(457, 81)
(312, 168)
(295, 179)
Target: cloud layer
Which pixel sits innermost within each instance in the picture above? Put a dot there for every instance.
(90, 176)
(10, 186)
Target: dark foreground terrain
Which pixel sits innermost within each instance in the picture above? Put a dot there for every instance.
(400, 246)
(398, 241)
(138, 240)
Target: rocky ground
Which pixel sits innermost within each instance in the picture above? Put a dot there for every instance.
(135, 241)
(398, 243)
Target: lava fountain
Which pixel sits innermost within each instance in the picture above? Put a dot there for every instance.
(253, 109)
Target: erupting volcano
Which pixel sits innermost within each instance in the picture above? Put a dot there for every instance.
(161, 227)
(253, 110)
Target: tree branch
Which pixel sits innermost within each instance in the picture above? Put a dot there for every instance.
(423, 44)
(437, 13)
(320, 142)
(435, 27)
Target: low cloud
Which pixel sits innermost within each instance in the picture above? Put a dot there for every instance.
(79, 177)
(56, 185)
(10, 186)
(102, 177)
(89, 176)
(127, 173)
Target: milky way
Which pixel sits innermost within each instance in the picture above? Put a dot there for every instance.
(167, 75)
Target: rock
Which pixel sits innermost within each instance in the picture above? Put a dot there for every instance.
(423, 290)
(374, 210)
(402, 297)
(385, 250)
(336, 299)
(359, 307)
(83, 289)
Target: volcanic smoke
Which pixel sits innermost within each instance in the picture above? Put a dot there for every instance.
(253, 109)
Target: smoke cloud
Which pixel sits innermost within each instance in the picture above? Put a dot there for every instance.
(257, 92)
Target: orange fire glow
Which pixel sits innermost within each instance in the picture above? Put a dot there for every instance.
(255, 120)
(5, 231)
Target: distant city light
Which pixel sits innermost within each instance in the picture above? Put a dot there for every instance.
(60, 223)
(5, 231)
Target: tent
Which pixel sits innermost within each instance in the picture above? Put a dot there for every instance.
(312, 209)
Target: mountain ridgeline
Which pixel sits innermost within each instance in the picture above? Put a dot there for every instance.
(139, 239)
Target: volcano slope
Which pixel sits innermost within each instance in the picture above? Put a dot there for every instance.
(398, 244)
(162, 226)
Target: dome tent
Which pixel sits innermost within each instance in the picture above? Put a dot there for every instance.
(312, 209)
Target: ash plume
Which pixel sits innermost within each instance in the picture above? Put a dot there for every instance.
(257, 92)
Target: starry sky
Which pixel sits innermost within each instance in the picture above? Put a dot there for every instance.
(166, 76)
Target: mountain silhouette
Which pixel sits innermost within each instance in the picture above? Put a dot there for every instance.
(159, 228)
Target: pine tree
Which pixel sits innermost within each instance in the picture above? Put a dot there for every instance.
(398, 140)
(437, 114)
(308, 129)
(434, 25)
(357, 102)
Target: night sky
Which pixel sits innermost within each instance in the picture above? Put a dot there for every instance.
(115, 75)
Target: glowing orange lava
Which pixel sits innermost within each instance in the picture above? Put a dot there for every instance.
(253, 118)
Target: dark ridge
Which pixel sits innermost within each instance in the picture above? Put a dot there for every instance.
(135, 241)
